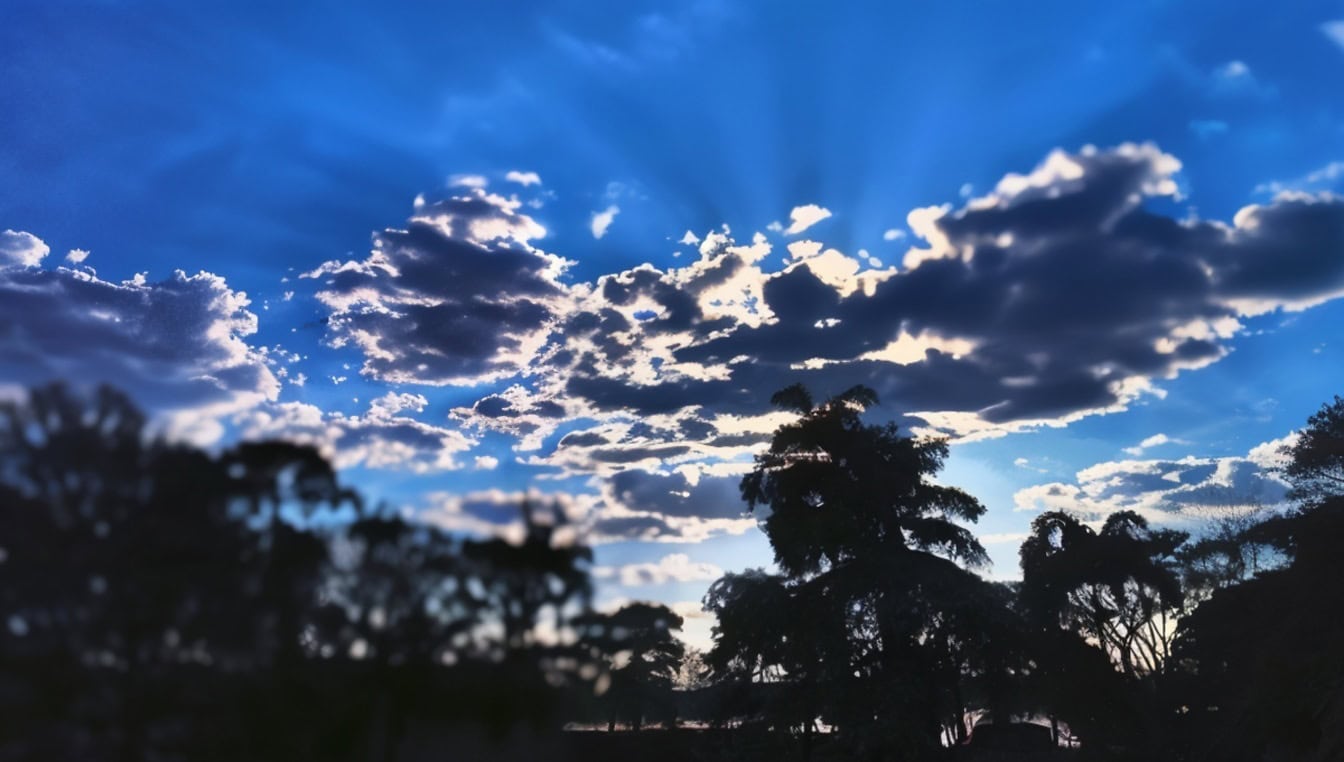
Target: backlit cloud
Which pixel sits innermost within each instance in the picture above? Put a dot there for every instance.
(804, 217)
(1169, 491)
(178, 345)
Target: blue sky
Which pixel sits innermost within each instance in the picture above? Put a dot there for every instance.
(1078, 301)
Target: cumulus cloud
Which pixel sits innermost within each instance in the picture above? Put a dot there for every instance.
(804, 217)
(385, 437)
(21, 249)
(523, 178)
(76, 256)
(460, 296)
(676, 567)
(1169, 491)
(602, 220)
(178, 345)
(1059, 293)
(1056, 295)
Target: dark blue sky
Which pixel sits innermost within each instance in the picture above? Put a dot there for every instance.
(1101, 299)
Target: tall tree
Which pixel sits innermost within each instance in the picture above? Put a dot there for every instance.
(869, 547)
(1120, 586)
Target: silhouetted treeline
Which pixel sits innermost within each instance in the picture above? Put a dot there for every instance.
(1127, 640)
(158, 602)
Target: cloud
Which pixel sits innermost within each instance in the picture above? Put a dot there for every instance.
(1169, 491)
(1334, 31)
(178, 346)
(602, 220)
(1236, 78)
(76, 256)
(804, 217)
(385, 437)
(458, 297)
(676, 567)
(893, 234)
(499, 513)
(21, 249)
(1155, 440)
(1002, 538)
(523, 178)
(1321, 178)
(1059, 293)
(468, 181)
(1055, 296)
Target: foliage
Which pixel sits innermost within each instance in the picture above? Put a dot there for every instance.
(866, 627)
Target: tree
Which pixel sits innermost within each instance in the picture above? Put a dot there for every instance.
(869, 548)
(642, 656)
(1119, 587)
(124, 573)
(837, 489)
(1266, 674)
(1316, 460)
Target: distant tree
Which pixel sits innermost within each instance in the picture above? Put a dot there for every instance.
(125, 568)
(643, 658)
(1316, 459)
(1119, 587)
(1265, 673)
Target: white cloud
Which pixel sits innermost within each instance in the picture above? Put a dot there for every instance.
(689, 239)
(1002, 538)
(21, 249)
(1155, 440)
(468, 181)
(383, 438)
(804, 217)
(893, 234)
(1172, 491)
(675, 567)
(602, 220)
(1334, 31)
(1236, 78)
(76, 256)
(523, 178)
(1320, 178)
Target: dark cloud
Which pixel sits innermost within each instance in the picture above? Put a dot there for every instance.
(177, 345)
(632, 528)
(458, 297)
(672, 494)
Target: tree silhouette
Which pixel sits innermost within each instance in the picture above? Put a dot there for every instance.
(861, 629)
(1266, 674)
(643, 658)
(1119, 587)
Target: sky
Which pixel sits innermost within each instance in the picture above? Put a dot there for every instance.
(476, 252)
